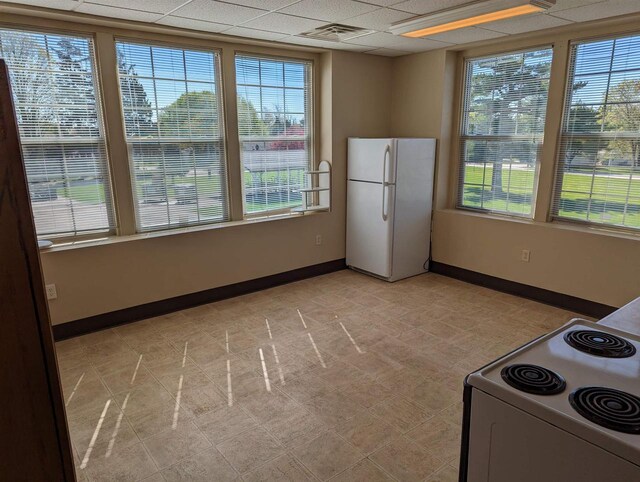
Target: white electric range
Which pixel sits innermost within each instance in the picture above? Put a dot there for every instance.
(565, 407)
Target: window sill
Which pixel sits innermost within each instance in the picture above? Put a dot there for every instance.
(493, 215)
(112, 239)
(591, 229)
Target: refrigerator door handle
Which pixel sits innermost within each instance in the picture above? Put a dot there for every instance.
(384, 215)
(387, 154)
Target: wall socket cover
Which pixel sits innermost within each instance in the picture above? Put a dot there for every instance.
(52, 294)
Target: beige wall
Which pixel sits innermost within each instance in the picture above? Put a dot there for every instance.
(589, 263)
(98, 278)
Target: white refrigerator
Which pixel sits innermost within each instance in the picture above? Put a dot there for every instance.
(389, 201)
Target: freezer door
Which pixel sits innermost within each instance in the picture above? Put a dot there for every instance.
(370, 209)
(371, 160)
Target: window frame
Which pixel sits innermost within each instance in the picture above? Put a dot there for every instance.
(97, 74)
(558, 174)
(460, 119)
(223, 115)
(310, 97)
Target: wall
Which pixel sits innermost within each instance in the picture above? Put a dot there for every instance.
(102, 277)
(592, 265)
(589, 263)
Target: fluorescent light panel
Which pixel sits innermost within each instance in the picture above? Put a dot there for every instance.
(467, 15)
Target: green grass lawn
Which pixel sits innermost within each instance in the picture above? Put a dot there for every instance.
(515, 199)
(274, 177)
(575, 202)
(207, 186)
(91, 193)
(258, 207)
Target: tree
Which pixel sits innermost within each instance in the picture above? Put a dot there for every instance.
(623, 115)
(249, 122)
(582, 120)
(138, 117)
(193, 114)
(34, 95)
(511, 94)
(74, 91)
(54, 93)
(33, 88)
(277, 121)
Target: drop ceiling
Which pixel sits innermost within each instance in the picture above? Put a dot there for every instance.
(284, 20)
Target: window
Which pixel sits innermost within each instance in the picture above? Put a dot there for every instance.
(275, 125)
(57, 104)
(172, 107)
(503, 116)
(598, 178)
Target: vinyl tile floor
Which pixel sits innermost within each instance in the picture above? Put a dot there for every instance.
(340, 377)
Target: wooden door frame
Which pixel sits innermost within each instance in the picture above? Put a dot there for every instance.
(35, 443)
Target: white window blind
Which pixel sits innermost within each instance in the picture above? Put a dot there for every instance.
(503, 116)
(275, 123)
(598, 177)
(57, 103)
(172, 105)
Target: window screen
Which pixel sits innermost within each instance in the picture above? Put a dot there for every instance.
(598, 177)
(172, 106)
(57, 104)
(505, 100)
(275, 126)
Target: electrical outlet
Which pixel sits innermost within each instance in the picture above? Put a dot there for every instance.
(525, 255)
(52, 294)
(318, 239)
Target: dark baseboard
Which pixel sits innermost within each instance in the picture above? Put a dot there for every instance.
(571, 303)
(162, 307)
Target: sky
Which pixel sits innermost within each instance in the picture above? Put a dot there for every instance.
(593, 61)
(270, 85)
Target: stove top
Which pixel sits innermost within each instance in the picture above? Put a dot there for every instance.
(582, 377)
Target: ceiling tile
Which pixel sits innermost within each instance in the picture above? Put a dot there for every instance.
(610, 8)
(113, 12)
(219, 12)
(58, 4)
(421, 7)
(352, 47)
(308, 42)
(156, 6)
(382, 3)
(264, 4)
(526, 23)
(278, 22)
(388, 52)
(466, 35)
(251, 33)
(328, 10)
(565, 4)
(395, 42)
(380, 19)
(193, 24)
(377, 39)
(416, 44)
